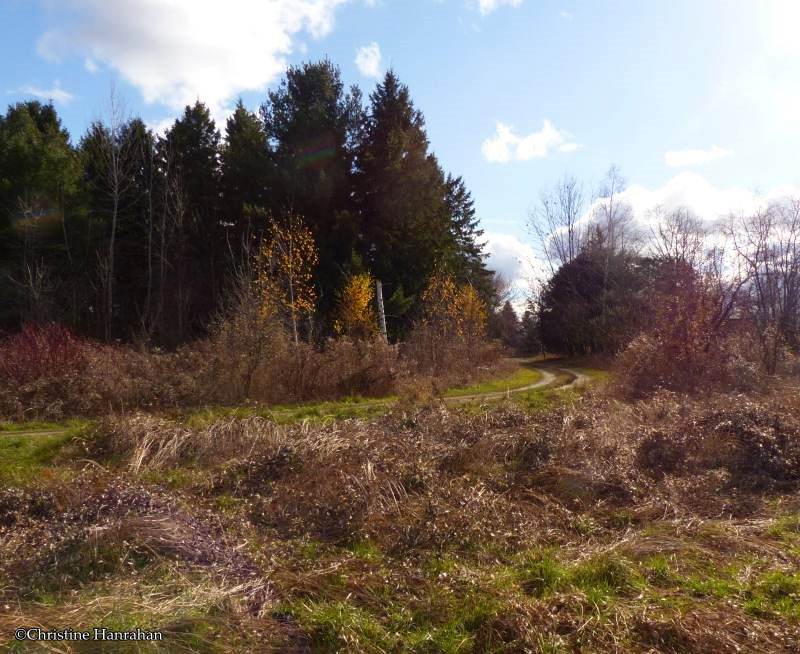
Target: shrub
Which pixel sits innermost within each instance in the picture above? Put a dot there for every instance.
(37, 352)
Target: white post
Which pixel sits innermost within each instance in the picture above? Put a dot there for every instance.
(381, 314)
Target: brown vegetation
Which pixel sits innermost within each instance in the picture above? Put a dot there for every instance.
(663, 525)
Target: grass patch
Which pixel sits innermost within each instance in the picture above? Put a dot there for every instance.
(352, 407)
(786, 527)
(524, 376)
(339, 626)
(24, 459)
(35, 425)
(776, 592)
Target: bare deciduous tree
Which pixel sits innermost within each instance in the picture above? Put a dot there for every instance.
(555, 222)
(768, 243)
(117, 159)
(612, 216)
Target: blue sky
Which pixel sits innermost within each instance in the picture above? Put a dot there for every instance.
(698, 102)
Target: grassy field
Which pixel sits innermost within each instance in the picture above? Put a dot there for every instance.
(584, 525)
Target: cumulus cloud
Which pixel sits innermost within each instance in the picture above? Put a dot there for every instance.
(515, 261)
(175, 51)
(488, 6)
(686, 158)
(692, 191)
(368, 60)
(54, 93)
(507, 146)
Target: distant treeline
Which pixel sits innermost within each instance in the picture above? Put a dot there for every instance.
(129, 234)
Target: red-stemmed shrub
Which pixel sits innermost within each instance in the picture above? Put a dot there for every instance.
(39, 351)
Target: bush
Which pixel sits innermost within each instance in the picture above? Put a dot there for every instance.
(648, 365)
(36, 352)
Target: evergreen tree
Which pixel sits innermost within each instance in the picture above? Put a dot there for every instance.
(39, 176)
(246, 175)
(530, 343)
(508, 326)
(401, 193)
(467, 258)
(595, 302)
(313, 128)
(189, 157)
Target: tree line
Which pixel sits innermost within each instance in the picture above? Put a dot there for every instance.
(697, 291)
(132, 235)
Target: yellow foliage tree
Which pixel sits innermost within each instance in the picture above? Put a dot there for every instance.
(286, 272)
(471, 313)
(355, 313)
(453, 310)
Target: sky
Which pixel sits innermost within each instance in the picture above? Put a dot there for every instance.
(696, 101)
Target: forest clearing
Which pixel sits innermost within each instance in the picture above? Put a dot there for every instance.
(287, 365)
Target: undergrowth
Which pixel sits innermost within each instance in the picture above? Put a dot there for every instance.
(587, 525)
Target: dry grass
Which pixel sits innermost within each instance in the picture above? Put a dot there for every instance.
(663, 525)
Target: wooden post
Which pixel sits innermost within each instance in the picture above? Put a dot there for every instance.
(381, 314)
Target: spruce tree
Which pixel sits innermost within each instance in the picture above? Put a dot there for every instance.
(246, 176)
(401, 192)
(313, 127)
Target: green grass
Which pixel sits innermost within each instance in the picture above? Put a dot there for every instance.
(350, 407)
(776, 592)
(520, 378)
(786, 527)
(35, 425)
(24, 459)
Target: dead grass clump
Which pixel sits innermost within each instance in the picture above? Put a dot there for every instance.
(754, 442)
(116, 532)
(661, 453)
(145, 441)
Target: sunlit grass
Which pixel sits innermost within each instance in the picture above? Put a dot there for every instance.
(520, 378)
(25, 458)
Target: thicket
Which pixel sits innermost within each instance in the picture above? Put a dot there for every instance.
(687, 306)
(250, 355)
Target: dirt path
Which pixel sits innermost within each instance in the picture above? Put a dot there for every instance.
(549, 376)
(547, 379)
(35, 432)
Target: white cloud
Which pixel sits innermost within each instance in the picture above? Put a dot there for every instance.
(368, 60)
(566, 15)
(515, 261)
(488, 6)
(54, 93)
(507, 146)
(689, 190)
(175, 51)
(686, 158)
(90, 65)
